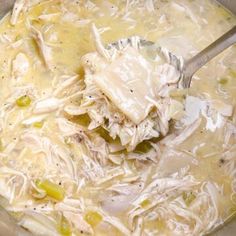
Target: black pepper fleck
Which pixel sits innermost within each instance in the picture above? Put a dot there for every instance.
(222, 161)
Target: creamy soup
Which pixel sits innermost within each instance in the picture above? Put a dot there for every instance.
(100, 140)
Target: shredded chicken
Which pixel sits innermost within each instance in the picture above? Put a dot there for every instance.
(45, 50)
(121, 83)
(97, 137)
(20, 65)
(47, 105)
(79, 222)
(17, 9)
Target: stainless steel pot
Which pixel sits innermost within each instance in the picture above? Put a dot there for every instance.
(8, 226)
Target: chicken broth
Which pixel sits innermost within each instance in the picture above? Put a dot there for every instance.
(80, 156)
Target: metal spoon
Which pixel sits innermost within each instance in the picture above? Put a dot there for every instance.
(186, 68)
(199, 60)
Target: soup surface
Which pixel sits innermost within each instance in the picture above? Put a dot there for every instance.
(96, 140)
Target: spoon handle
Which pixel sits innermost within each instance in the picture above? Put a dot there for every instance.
(199, 60)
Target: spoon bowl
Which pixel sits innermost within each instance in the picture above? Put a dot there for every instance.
(186, 68)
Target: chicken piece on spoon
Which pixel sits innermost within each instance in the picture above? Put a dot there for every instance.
(127, 93)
